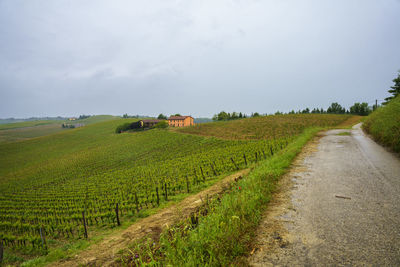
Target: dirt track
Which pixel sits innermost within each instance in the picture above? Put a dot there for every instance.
(103, 254)
(340, 205)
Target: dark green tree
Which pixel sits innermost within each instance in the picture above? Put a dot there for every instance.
(162, 117)
(361, 109)
(335, 108)
(222, 116)
(234, 116)
(395, 91)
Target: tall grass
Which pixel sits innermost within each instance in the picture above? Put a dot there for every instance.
(384, 124)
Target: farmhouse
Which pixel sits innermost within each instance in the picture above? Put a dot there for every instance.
(180, 121)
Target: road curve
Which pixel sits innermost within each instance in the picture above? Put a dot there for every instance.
(339, 206)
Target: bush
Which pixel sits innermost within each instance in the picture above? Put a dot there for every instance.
(162, 124)
(128, 126)
(123, 127)
(384, 124)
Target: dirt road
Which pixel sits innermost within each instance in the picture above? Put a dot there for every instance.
(340, 205)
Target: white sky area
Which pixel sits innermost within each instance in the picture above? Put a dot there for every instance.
(194, 57)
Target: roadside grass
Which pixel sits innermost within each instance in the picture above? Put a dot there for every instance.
(224, 228)
(384, 124)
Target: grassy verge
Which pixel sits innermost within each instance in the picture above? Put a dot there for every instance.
(384, 124)
(221, 231)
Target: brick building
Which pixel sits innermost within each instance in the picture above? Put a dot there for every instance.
(180, 121)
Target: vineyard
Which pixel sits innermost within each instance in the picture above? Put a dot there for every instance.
(63, 185)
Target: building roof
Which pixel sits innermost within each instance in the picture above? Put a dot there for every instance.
(178, 117)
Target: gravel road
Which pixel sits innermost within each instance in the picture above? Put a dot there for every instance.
(340, 206)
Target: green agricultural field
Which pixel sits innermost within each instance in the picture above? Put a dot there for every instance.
(19, 134)
(47, 183)
(23, 124)
(96, 119)
(267, 127)
(19, 131)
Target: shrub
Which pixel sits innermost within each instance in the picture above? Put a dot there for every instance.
(162, 124)
(123, 127)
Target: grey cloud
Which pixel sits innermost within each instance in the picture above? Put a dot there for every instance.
(197, 57)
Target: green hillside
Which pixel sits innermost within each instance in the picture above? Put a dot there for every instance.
(384, 124)
(96, 119)
(49, 181)
(15, 125)
(19, 131)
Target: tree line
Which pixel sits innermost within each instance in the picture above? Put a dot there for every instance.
(361, 109)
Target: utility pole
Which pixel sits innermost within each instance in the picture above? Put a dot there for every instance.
(376, 104)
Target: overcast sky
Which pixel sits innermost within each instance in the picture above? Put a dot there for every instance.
(194, 57)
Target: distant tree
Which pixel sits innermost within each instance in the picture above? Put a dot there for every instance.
(162, 117)
(292, 112)
(125, 116)
(395, 91)
(278, 113)
(177, 114)
(306, 111)
(335, 108)
(222, 116)
(255, 114)
(81, 117)
(360, 109)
